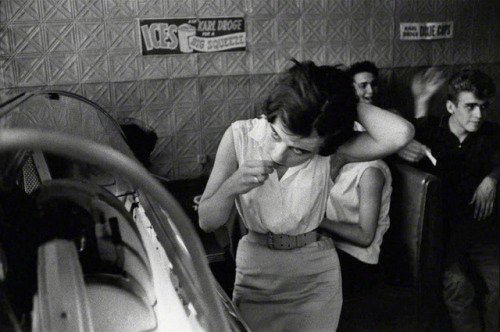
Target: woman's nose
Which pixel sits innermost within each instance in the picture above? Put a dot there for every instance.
(369, 88)
(279, 153)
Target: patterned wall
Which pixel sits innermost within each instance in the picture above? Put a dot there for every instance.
(91, 47)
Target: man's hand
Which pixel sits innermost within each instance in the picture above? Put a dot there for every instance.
(413, 151)
(484, 198)
(424, 85)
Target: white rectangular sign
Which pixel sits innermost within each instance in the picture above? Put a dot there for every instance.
(426, 31)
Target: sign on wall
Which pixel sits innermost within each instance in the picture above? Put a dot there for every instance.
(192, 35)
(426, 31)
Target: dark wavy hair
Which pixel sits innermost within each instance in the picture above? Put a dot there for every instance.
(314, 98)
(475, 81)
(363, 67)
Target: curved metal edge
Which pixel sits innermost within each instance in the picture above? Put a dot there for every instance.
(88, 151)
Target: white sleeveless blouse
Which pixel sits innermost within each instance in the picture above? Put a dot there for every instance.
(295, 204)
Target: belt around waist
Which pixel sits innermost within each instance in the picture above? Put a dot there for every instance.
(283, 241)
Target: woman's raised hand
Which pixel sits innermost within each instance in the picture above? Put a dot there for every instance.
(251, 174)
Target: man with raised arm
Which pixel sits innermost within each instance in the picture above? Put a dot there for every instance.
(464, 151)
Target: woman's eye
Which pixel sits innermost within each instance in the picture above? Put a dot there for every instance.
(299, 151)
(275, 135)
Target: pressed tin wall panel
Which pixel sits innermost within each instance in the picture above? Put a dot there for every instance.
(91, 47)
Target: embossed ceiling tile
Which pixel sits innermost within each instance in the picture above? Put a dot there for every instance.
(360, 51)
(315, 53)
(5, 41)
(127, 112)
(337, 29)
(262, 8)
(211, 64)
(157, 92)
(91, 36)
(361, 8)
(427, 7)
(185, 90)
(180, 8)
(210, 141)
(406, 7)
(313, 31)
(338, 53)
(161, 119)
(461, 51)
(60, 37)
(314, 8)
(4, 12)
(30, 70)
(24, 10)
(285, 53)
(150, 8)
(89, 9)
(481, 51)
(234, 8)
(261, 85)
(213, 88)
(183, 66)
(7, 73)
(93, 67)
(263, 61)
(238, 111)
(384, 8)
(209, 8)
(237, 63)
(28, 39)
(382, 28)
(99, 93)
(57, 10)
(288, 31)
(290, 8)
(338, 8)
(238, 88)
(212, 115)
(63, 69)
(361, 30)
(164, 149)
(73, 88)
(187, 118)
(122, 35)
(123, 66)
(127, 93)
(382, 53)
(261, 32)
(120, 8)
(410, 53)
(441, 9)
(154, 67)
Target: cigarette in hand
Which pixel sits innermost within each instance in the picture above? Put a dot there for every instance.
(430, 156)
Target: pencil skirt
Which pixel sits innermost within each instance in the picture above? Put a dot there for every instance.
(288, 290)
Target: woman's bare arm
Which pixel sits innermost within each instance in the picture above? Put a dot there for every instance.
(362, 234)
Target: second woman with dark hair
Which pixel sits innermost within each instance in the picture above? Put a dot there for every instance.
(288, 275)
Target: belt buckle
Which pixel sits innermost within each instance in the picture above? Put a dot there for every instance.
(270, 243)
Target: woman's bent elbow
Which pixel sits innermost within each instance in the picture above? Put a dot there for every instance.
(205, 225)
(404, 136)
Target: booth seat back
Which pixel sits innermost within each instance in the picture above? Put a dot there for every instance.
(412, 251)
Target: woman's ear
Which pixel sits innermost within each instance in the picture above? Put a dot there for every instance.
(450, 106)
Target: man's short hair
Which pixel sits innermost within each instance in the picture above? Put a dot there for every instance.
(363, 67)
(314, 98)
(475, 81)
